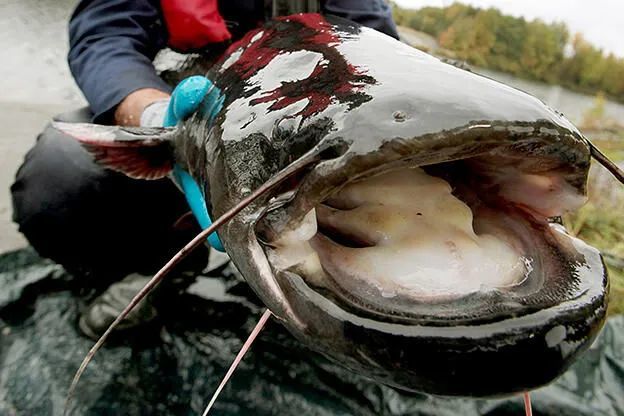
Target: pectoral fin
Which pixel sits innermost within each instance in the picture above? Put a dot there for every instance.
(140, 153)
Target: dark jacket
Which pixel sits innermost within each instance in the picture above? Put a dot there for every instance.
(113, 42)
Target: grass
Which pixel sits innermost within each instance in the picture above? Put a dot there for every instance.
(600, 222)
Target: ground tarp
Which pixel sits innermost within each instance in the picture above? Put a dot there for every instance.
(173, 367)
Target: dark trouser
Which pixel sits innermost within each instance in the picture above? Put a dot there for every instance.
(93, 220)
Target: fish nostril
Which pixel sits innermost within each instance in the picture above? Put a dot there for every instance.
(399, 116)
(333, 148)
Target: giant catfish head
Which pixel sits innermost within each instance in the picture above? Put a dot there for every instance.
(417, 241)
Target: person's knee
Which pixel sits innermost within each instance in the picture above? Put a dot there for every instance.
(51, 193)
(55, 171)
(81, 215)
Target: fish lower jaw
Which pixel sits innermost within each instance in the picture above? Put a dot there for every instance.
(422, 276)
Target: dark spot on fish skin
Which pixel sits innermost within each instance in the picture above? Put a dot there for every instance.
(345, 27)
(256, 158)
(252, 118)
(333, 148)
(290, 144)
(251, 161)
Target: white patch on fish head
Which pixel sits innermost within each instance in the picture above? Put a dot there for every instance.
(285, 67)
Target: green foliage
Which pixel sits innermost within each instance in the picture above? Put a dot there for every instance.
(600, 222)
(530, 49)
(595, 115)
(603, 227)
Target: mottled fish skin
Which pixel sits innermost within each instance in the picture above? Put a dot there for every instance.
(307, 84)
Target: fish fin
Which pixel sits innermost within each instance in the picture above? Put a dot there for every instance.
(140, 153)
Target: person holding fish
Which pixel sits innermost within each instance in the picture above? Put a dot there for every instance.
(408, 231)
(100, 223)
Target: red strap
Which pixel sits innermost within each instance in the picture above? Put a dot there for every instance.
(194, 24)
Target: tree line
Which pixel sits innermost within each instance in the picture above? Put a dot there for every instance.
(526, 48)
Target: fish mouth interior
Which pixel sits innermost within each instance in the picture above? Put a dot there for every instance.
(448, 241)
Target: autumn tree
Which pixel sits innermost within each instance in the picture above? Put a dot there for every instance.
(531, 49)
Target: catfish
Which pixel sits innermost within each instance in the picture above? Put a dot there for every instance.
(395, 213)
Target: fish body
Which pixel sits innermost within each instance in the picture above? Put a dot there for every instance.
(416, 242)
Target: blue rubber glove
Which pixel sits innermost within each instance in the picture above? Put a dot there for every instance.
(196, 93)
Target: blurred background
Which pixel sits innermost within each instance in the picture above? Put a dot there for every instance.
(36, 84)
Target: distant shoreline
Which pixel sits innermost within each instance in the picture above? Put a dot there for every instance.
(574, 103)
(527, 49)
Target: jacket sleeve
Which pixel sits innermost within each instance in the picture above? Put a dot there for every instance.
(375, 14)
(112, 44)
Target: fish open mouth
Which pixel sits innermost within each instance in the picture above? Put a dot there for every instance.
(419, 238)
(470, 240)
(409, 240)
(406, 234)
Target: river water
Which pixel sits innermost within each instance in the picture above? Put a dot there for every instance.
(573, 104)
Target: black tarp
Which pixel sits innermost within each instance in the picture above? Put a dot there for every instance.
(172, 367)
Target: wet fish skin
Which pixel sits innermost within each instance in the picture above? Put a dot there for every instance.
(352, 100)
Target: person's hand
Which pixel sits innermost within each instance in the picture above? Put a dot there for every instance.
(187, 97)
(185, 100)
(131, 110)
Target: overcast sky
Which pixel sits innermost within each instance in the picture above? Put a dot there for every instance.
(600, 21)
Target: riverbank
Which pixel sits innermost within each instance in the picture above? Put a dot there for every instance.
(574, 105)
(600, 222)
